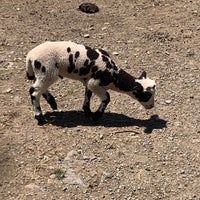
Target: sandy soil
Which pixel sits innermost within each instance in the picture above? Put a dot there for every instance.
(127, 154)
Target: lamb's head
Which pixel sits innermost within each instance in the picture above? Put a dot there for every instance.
(144, 91)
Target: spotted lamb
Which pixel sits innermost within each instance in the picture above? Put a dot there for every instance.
(93, 67)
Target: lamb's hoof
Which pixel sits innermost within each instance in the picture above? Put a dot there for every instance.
(41, 120)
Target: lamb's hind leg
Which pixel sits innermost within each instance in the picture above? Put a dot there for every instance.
(40, 88)
(94, 86)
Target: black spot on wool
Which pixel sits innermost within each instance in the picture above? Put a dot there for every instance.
(124, 81)
(94, 69)
(92, 63)
(77, 54)
(71, 66)
(114, 66)
(104, 52)
(86, 63)
(68, 49)
(87, 66)
(43, 69)
(30, 77)
(104, 76)
(109, 65)
(84, 70)
(105, 58)
(56, 64)
(37, 64)
(31, 90)
(92, 54)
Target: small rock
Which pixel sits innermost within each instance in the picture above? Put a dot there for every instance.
(130, 41)
(53, 176)
(115, 53)
(7, 90)
(101, 136)
(73, 179)
(88, 8)
(134, 133)
(86, 36)
(32, 187)
(108, 175)
(86, 158)
(17, 100)
(10, 65)
(168, 101)
(70, 159)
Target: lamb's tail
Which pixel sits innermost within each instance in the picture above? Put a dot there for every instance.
(29, 70)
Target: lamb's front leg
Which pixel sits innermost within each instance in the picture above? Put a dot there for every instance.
(94, 86)
(86, 104)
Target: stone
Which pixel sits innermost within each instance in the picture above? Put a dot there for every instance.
(168, 101)
(115, 53)
(73, 179)
(88, 8)
(86, 35)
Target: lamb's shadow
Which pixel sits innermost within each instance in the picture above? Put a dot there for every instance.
(75, 118)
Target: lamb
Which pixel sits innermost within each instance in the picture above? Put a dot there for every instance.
(93, 67)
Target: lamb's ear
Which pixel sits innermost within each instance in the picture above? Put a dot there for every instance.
(143, 75)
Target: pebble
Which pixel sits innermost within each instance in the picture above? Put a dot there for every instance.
(17, 100)
(32, 187)
(86, 35)
(73, 179)
(7, 90)
(53, 176)
(101, 136)
(70, 159)
(168, 101)
(86, 158)
(108, 175)
(115, 53)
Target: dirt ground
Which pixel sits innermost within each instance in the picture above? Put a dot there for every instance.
(128, 154)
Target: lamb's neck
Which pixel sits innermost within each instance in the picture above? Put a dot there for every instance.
(124, 82)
